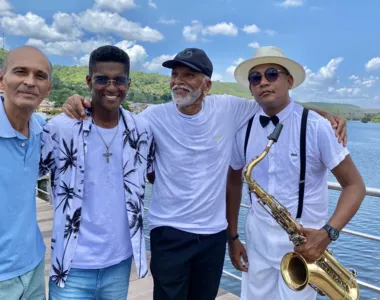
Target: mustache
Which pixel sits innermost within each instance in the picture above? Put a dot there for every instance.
(27, 91)
(179, 86)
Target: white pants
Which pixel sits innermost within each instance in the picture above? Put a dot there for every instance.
(263, 280)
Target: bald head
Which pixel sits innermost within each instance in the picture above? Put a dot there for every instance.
(30, 53)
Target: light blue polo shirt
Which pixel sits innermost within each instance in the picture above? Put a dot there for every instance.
(21, 243)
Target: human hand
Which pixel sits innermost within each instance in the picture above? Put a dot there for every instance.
(340, 126)
(74, 107)
(316, 242)
(237, 252)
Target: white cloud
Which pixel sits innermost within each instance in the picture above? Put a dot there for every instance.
(221, 29)
(251, 29)
(270, 32)
(5, 8)
(291, 3)
(324, 85)
(156, 63)
(66, 24)
(373, 64)
(34, 26)
(137, 53)
(84, 60)
(67, 48)
(167, 21)
(114, 5)
(152, 4)
(353, 77)
(107, 22)
(326, 76)
(254, 45)
(217, 77)
(231, 69)
(191, 32)
(349, 92)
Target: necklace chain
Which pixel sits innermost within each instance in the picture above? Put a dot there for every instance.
(107, 154)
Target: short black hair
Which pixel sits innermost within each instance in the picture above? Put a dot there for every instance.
(108, 53)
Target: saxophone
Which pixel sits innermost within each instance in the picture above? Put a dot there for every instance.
(326, 275)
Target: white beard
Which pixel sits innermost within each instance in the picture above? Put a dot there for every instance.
(187, 100)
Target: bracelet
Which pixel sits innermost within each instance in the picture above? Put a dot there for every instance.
(234, 238)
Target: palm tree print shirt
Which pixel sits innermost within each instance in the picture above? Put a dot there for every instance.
(63, 151)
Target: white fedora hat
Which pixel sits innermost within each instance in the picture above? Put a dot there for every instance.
(269, 55)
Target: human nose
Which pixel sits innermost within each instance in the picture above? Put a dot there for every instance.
(30, 80)
(111, 84)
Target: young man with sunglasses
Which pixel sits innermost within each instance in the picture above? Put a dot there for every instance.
(298, 184)
(187, 214)
(98, 169)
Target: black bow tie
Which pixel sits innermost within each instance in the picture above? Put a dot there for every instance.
(264, 120)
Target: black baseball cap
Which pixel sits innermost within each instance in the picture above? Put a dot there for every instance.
(194, 58)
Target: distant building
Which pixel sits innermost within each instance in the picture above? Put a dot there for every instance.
(45, 106)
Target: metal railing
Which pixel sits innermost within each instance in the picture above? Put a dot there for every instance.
(336, 186)
(331, 185)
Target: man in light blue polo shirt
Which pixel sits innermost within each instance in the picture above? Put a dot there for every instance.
(26, 81)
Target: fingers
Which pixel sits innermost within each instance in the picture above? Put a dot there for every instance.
(69, 111)
(74, 107)
(236, 262)
(86, 103)
(78, 106)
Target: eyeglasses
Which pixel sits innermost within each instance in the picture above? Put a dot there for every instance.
(271, 74)
(120, 81)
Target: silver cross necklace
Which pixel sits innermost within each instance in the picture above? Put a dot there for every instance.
(107, 154)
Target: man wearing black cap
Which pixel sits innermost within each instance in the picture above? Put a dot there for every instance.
(187, 214)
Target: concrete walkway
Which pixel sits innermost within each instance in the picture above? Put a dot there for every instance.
(139, 289)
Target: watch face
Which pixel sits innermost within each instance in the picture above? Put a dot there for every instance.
(334, 234)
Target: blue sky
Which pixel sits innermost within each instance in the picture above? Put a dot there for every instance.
(335, 41)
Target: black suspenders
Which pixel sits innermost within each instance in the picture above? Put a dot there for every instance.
(302, 157)
(301, 190)
(247, 135)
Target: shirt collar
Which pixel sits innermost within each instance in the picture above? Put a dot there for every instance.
(282, 115)
(6, 129)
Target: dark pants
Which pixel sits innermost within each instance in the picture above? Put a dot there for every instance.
(186, 266)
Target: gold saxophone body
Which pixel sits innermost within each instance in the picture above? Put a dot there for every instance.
(326, 275)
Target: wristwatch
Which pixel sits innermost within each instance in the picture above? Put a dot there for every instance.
(332, 232)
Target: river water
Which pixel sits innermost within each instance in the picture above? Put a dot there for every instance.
(361, 254)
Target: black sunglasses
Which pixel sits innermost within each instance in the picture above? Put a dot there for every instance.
(120, 81)
(271, 74)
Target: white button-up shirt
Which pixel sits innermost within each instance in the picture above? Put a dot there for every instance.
(64, 147)
(279, 172)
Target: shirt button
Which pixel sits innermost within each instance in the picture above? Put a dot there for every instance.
(79, 190)
(22, 144)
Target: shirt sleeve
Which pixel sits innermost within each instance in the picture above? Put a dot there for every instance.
(242, 110)
(49, 149)
(237, 161)
(332, 152)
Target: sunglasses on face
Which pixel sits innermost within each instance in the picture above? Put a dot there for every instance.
(271, 75)
(120, 81)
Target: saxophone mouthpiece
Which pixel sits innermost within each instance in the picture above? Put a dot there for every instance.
(276, 133)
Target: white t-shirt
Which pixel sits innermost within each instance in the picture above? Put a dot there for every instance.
(104, 237)
(278, 173)
(191, 162)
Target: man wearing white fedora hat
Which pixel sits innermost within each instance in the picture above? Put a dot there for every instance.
(294, 172)
(187, 214)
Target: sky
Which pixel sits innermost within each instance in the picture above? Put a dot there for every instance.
(335, 41)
